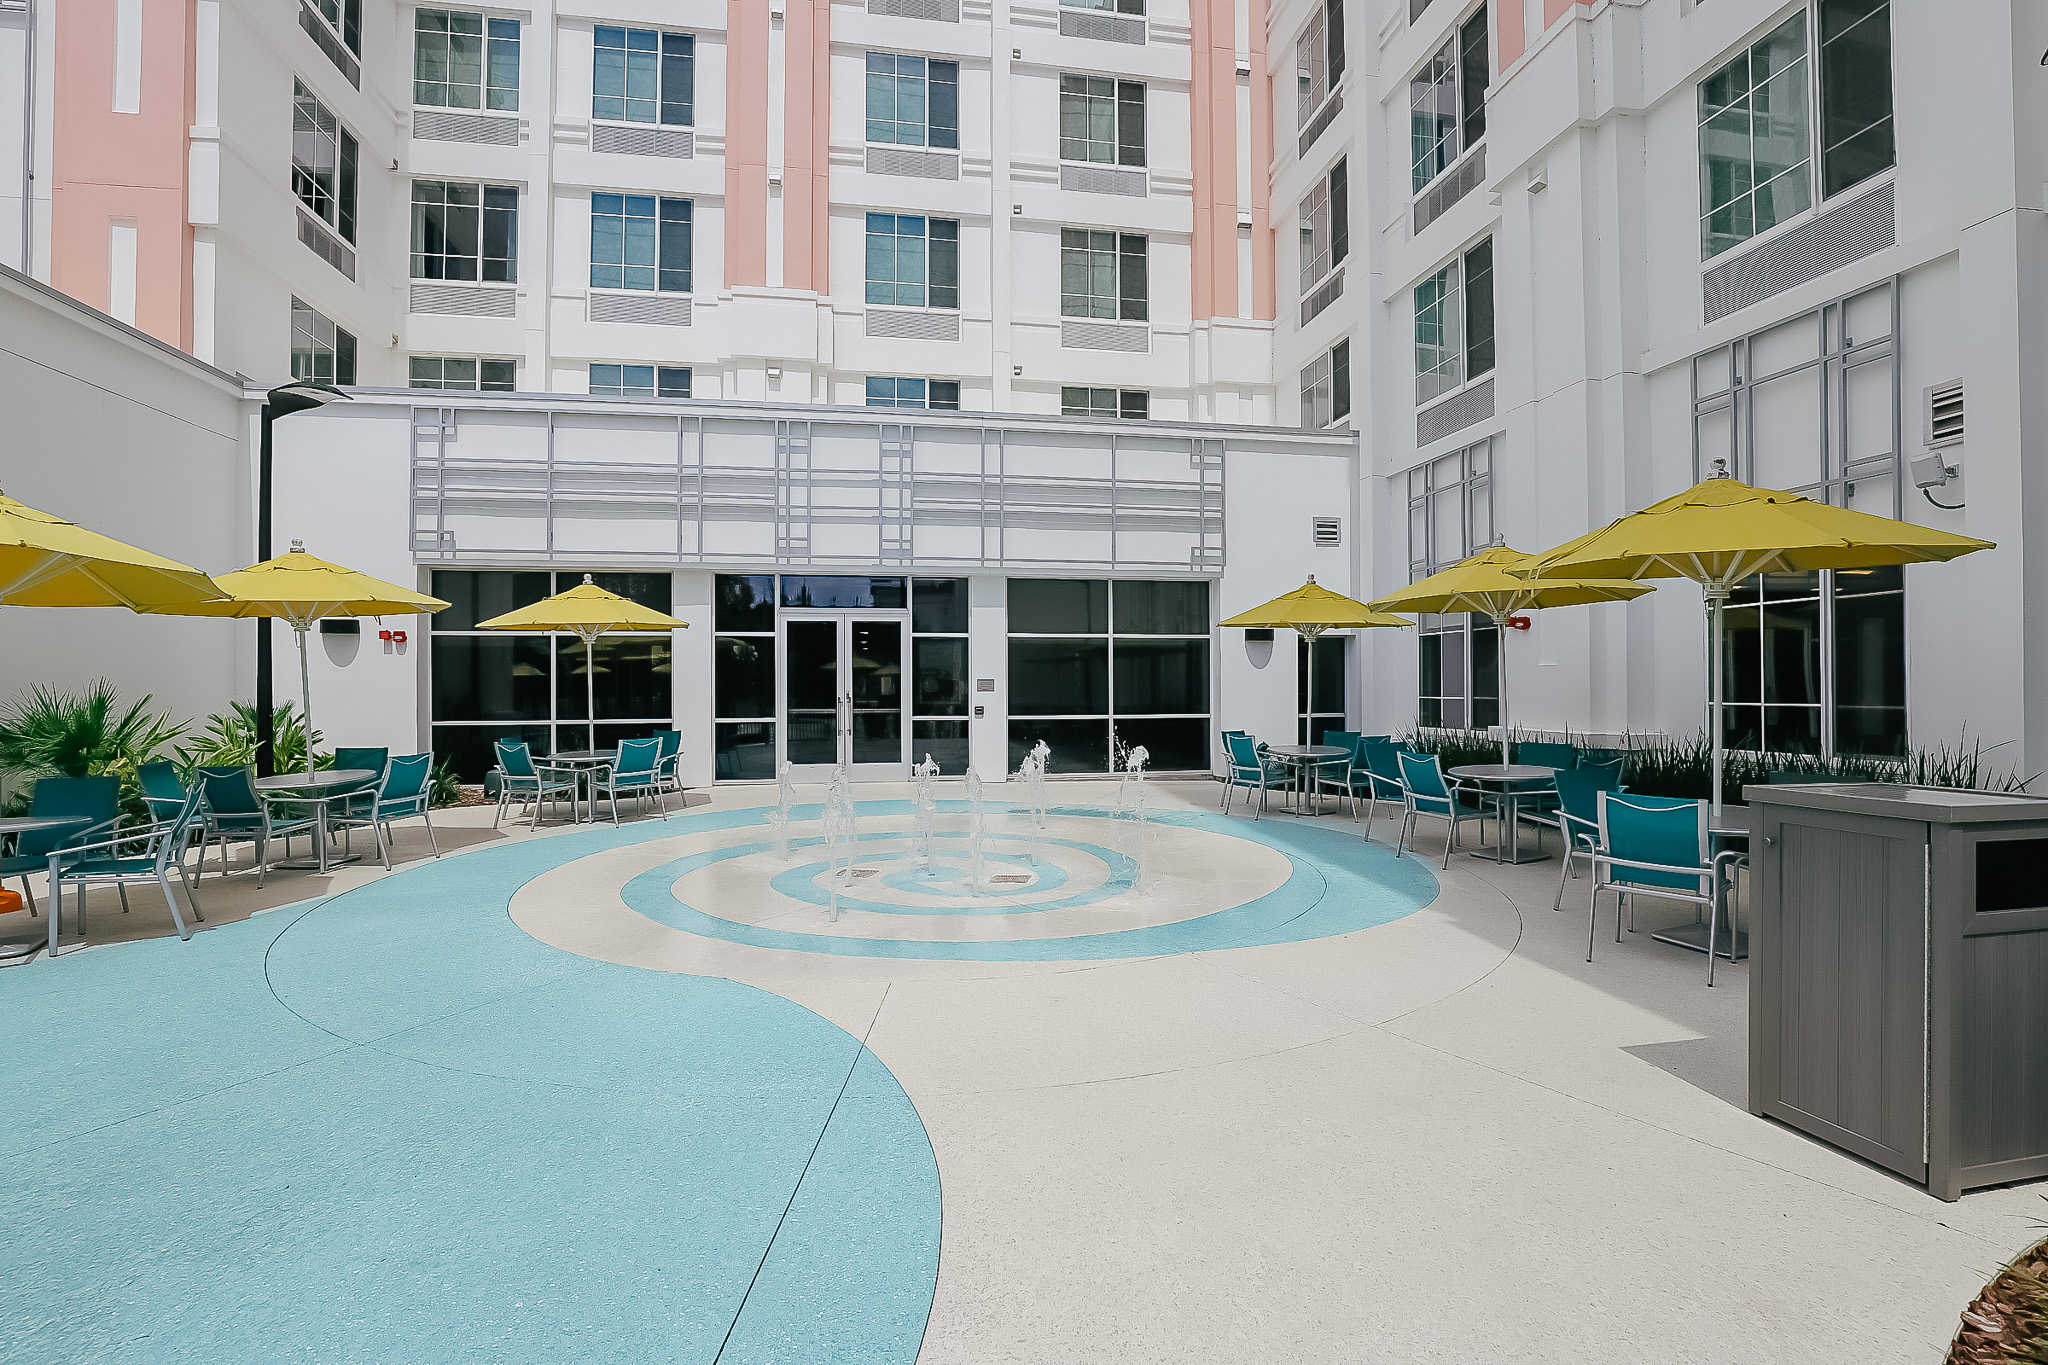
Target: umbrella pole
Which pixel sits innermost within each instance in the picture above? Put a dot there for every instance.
(1500, 632)
(1716, 596)
(305, 694)
(590, 682)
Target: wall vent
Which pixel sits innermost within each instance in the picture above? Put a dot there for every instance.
(1460, 410)
(1326, 293)
(322, 36)
(1449, 188)
(939, 11)
(1108, 28)
(1078, 335)
(1327, 532)
(1323, 118)
(1945, 413)
(444, 125)
(628, 139)
(1081, 179)
(466, 300)
(643, 307)
(913, 161)
(1862, 227)
(324, 244)
(911, 324)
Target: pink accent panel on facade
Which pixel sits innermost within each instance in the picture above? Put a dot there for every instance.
(806, 194)
(1202, 247)
(1213, 141)
(1554, 10)
(1509, 41)
(1264, 289)
(108, 168)
(746, 143)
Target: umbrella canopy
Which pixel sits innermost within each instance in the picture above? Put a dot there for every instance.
(1494, 584)
(1722, 531)
(1309, 611)
(46, 561)
(300, 589)
(586, 611)
(1312, 609)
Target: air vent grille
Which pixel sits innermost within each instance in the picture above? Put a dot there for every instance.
(1945, 413)
(1327, 532)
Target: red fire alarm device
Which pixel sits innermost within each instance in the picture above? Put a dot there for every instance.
(396, 637)
(1518, 623)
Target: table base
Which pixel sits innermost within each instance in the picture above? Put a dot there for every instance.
(334, 860)
(1511, 857)
(21, 949)
(1730, 944)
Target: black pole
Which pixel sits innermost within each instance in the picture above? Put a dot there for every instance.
(266, 720)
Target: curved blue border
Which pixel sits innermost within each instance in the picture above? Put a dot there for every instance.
(1338, 883)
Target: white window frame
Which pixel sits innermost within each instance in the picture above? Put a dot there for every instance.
(491, 38)
(1128, 405)
(315, 335)
(1455, 299)
(932, 395)
(344, 157)
(1462, 139)
(1467, 476)
(931, 134)
(1319, 60)
(1324, 399)
(511, 262)
(476, 373)
(661, 36)
(1079, 87)
(1118, 249)
(347, 14)
(658, 378)
(895, 235)
(1325, 217)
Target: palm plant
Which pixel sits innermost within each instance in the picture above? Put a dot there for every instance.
(59, 734)
(228, 740)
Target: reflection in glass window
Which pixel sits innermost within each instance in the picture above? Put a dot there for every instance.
(642, 75)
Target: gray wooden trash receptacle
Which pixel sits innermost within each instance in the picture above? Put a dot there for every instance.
(1899, 976)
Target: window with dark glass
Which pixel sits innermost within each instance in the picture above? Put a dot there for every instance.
(640, 381)
(1098, 667)
(913, 261)
(1319, 686)
(320, 350)
(1454, 324)
(463, 372)
(1102, 120)
(464, 61)
(465, 231)
(1131, 404)
(323, 163)
(643, 75)
(939, 700)
(1450, 516)
(1103, 275)
(899, 391)
(912, 101)
(1447, 102)
(640, 241)
(488, 685)
(1325, 227)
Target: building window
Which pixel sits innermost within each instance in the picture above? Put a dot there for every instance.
(1130, 404)
(345, 18)
(1813, 662)
(464, 61)
(1319, 686)
(891, 391)
(1757, 167)
(640, 381)
(320, 350)
(1103, 275)
(641, 75)
(1454, 324)
(913, 101)
(1102, 120)
(913, 261)
(1450, 516)
(490, 685)
(323, 163)
(1107, 6)
(1098, 667)
(1319, 58)
(463, 372)
(1325, 227)
(1447, 102)
(465, 231)
(1326, 387)
(639, 242)
(939, 683)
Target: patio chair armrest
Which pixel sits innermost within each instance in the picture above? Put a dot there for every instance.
(1608, 860)
(70, 841)
(127, 836)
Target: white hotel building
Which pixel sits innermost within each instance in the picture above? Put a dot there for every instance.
(1223, 292)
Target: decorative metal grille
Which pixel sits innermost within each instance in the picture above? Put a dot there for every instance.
(1862, 227)
(1105, 336)
(325, 245)
(1102, 180)
(641, 306)
(453, 125)
(913, 161)
(1460, 181)
(637, 140)
(912, 324)
(1108, 28)
(469, 300)
(1455, 413)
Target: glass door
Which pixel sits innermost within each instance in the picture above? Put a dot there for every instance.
(843, 695)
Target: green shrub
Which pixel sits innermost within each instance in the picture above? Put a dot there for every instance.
(228, 740)
(88, 734)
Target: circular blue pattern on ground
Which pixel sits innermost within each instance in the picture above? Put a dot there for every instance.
(1337, 883)
(393, 1126)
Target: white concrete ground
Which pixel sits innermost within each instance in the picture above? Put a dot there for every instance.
(1448, 1138)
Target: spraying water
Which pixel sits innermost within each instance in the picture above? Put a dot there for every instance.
(1031, 772)
(1130, 812)
(924, 819)
(785, 801)
(977, 828)
(841, 836)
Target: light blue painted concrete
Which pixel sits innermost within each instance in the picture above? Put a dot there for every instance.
(392, 1126)
(1337, 883)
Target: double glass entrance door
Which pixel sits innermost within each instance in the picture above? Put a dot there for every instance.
(843, 694)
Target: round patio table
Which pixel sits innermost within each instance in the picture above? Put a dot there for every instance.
(1511, 782)
(319, 791)
(585, 761)
(20, 946)
(1304, 759)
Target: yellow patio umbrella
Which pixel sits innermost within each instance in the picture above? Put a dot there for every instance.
(586, 611)
(1494, 584)
(299, 589)
(1721, 531)
(1312, 610)
(46, 561)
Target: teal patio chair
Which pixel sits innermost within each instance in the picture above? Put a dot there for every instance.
(91, 804)
(1578, 816)
(133, 857)
(1245, 766)
(162, 793)
(534, 783)
(1656, 846)
(404, 791)
(670, 762)
(1542, 805)
(1382, 758)
(233, 812)
(1335, 775)
(635, 771)
(1607, 760)
(1427, 793)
